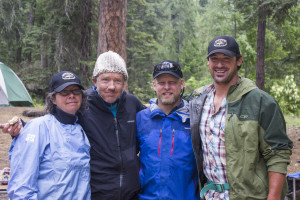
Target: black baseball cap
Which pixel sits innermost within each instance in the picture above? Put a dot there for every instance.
(167, 67)
(223, 44)
(62, 80)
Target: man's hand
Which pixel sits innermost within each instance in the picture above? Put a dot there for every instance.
(13, 127)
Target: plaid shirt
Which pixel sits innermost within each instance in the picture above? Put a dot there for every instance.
(212, 127)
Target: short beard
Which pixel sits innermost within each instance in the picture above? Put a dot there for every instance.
(170, 102)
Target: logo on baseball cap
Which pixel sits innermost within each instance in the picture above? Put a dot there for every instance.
(223, 44)
(62, 80)
(167, 67)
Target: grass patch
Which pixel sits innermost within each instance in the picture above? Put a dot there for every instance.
(292, 121)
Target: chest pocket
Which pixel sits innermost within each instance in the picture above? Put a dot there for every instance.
(127, 132)
(70, 151)
(182, 142)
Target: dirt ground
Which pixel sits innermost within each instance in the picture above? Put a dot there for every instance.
(7, 113)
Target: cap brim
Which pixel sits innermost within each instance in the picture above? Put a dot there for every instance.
(166, 72)
(63, 86)
(224, 51)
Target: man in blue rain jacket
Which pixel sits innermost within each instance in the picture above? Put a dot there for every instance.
(168, 167)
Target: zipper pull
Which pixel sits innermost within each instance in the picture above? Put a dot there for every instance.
(230, 116)
(172, 142)
(116, 123)
(159, 142)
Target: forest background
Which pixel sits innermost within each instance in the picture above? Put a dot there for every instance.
(39, 38)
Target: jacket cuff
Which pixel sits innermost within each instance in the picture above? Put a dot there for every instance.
(279, 162)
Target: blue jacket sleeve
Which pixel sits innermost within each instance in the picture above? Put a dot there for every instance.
(25, 155)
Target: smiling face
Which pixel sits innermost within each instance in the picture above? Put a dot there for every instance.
(168, 89)
(110, 85)
(68, 103)
(224, 69)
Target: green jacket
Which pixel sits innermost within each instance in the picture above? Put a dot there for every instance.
(255, 139)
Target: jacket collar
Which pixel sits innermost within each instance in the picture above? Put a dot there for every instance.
(179, 112)
(96, 100)
(242, 87)
(236, 91)
(64, 117)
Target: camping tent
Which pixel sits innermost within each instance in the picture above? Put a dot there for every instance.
(12, 90)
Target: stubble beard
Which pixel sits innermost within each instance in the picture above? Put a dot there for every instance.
(169, 102)
(228, 79)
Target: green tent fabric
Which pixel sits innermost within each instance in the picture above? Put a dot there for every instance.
(12, 90)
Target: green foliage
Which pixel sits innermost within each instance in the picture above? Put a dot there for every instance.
(192, 83)
(141, 49)
(178, 30)
(37, 102)
(161, 30)
(276, 9)
(279, 14)
(144, 93)
(50, 41)
(287, 94)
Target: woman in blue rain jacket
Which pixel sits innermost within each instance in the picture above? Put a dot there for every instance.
(50, 158)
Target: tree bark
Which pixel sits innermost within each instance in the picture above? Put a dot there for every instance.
(112, 27)
(260, 60)
(59, 53)
(31, 13)
(27, 56)
(85, 41)
(19, 47)
(43, 54)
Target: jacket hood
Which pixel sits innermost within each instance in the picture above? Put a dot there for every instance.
(242, 87)
(182, 112)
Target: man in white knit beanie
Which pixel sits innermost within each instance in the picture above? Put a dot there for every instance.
(110, 62)
(110, 66)
(111, 128)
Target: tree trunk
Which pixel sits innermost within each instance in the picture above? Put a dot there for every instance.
(27, 56)
(19, 48)
(85, 41)
(43, 53)
(112, 28)
(260, 62)
(59, 53)
(31, 13)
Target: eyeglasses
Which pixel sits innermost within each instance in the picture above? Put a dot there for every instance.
(68, 92)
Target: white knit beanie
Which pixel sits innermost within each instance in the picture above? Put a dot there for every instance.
(110, 62)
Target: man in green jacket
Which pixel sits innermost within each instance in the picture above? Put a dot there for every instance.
(238, 132)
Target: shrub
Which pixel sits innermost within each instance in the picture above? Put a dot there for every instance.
(286, 93)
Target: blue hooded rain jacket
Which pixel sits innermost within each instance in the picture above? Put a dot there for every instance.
(50, 160)
(168, 166)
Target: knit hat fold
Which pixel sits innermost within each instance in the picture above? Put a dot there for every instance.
(110, 62)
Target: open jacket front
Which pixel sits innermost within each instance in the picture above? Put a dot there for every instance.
(114, 164)
(255, 139)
